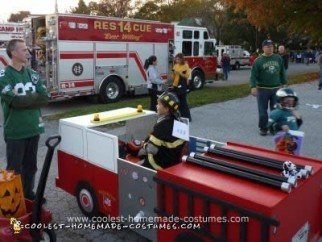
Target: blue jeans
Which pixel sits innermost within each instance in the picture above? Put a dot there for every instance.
(265, 97)
(225, 71)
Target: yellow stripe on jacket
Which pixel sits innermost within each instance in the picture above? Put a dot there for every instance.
(170, 145)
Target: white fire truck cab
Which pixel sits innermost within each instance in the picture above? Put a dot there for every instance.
(89, 55)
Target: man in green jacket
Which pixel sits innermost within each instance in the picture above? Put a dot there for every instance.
(22, 93)
(267, 76)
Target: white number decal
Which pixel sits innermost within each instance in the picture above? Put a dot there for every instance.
(21, 89)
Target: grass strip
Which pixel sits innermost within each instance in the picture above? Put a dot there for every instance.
(197, 98)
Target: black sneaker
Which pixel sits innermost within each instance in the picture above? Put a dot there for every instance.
(263, 132)
(319, 88)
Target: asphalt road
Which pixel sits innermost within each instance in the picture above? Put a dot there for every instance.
(234, 120)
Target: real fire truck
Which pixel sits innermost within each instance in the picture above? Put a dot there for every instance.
(10, 31)
(89, 55)
(195, 200)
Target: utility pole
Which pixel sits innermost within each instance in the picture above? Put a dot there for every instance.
(56, 6)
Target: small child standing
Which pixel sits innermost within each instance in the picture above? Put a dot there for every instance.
(285, 118)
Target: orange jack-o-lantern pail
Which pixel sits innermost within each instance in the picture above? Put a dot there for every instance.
(12, 201)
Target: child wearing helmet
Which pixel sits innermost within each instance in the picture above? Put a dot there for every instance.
(161, 148)
(285, 117)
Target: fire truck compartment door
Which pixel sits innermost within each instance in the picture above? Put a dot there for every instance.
(102, 149)
(102, 72)
(111, 70)
(137, 196)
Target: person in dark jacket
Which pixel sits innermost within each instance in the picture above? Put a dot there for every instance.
(225, 64)
(284, 55)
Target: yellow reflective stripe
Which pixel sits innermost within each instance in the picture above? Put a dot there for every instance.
(170, 145)
(153, 163)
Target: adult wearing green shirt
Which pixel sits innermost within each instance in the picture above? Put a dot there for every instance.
(267, 76)
(22, 93)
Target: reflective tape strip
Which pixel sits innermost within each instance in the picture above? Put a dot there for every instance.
(170, 145)
(153, 163)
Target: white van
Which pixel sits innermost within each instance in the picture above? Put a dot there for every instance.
(238, 56)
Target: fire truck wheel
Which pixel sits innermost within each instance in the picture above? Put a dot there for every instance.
(197, 80)
(49, 235)
(86, 199)
(111, 90)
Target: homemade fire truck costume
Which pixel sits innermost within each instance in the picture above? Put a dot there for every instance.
(215, 180)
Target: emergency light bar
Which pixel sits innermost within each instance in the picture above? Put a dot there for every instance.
(117, 115)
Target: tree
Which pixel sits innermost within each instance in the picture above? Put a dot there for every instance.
(211, 12)
(18, 17)
(114, 8)
(214, 16)
(294, 15)
(238, 30)
(150, 10)
(81, 8)
(225, 24)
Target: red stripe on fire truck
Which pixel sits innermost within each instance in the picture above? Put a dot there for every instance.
(74, 84)
(90, 55)
(4, 62)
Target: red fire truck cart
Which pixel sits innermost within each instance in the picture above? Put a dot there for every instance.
(217, 180)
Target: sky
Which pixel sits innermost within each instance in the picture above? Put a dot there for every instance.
(34, 7)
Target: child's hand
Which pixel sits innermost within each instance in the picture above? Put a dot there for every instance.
(285, 128)
(297, 114)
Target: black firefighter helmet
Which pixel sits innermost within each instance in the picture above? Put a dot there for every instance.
(282, 93)
(171, 101)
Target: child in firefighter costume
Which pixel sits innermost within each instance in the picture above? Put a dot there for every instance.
(161, 148)
(285, 118)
